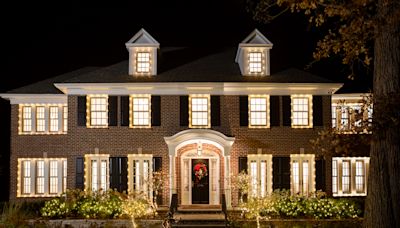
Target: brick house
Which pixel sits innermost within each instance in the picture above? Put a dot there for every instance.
(199, 122)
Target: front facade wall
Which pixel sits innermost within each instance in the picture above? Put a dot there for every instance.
(122, 140)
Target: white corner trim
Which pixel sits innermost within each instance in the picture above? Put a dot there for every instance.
(35, 98)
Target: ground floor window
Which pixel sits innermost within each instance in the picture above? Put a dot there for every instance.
(140, 170)
(349, 176)
(260, 171)
(44, 177)
(96, 172)
(302, 173)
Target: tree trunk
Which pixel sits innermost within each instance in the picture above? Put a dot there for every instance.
(383, 200)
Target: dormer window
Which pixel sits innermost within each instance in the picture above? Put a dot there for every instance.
(143, 62)
(255, 62)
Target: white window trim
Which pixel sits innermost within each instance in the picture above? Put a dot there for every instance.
(191, 96)
(269, 178)
(131, 112)
(142, 187)
(336, 123)
(65, 118)
(263, 61)
(311, 173)
(33, 170)
(89, 109)
(262, 96)
(33, 119)
(310, 110)
(88, 170)
(352, 160)
(137, 62)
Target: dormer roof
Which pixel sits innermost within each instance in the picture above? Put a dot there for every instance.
(142, 39)
(254, 39)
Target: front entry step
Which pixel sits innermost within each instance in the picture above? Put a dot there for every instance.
(196, 218)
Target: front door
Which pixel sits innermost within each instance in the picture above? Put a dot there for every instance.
(200, 181)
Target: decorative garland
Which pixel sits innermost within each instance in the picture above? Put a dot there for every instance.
(200, 171)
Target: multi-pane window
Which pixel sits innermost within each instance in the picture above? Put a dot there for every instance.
(53, 118)
(351, 117)
(199, 110)
(97, 171)
(143, 62)
(53, 177)
(27, 119)
(140, 169)
(98, 111)
(303, 173)
(141, 109)
(258, 110)
(349, 176)
(40, 119)
(301, 111)
(260, 170)
(334, 116)
(255, 62)
(41, 177)
(65, 118)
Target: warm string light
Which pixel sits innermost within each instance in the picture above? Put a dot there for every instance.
(88, 110)
(148, 51)
(300, 158)
(258, 158)
(88, 169)
(132, 158)
(263, 96)
(131, 118)
(310, 110)
(193, 96)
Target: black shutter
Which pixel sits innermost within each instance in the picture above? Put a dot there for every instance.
(244, 110)
(124, 106)
(286, 111)
(81, 110)
(155, 111)
(281, 172)
(119, 173)
(184, 111)
(243, 164)
(112, 110)
(215, 111)
(317, 111)
(157, 164)
(274, 109)
(79, 173)
(320, 174)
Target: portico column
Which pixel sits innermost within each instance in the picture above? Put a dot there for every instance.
(227, 181)
(172, 184)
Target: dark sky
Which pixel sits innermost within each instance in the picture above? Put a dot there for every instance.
(41, 41)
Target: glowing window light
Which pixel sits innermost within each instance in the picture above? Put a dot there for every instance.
(98, 111)
(65, 118)
(199, 111)
(65, 175)
(53, 177)
(40, 119)
(27, 118)
(141, 110)
(346, 176)
(258, 111)
(301, 111)
(296, 179)
(334, 177)
(27, 177)
(255, 62)
(254, 177)
(360, 176)
(53, 118)
(143, 62)
(40, 177)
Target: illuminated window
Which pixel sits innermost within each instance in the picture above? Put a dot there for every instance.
(334, 116)
(98, 111)
(27, 118)
(40, 177)
(141, 109)
(143, 62)
(255, 62)
(303, 173)
(334, 177)
(40, 119)
(97, 172)
(351, 117)
(65, 118)
(258, 111)
(53, 177)
(349, 176)
(344, 120)
(65, 175)
(301, 111)
(53, 118)
(27, 177)
(260, 170)
(140, 171)
(199, 106)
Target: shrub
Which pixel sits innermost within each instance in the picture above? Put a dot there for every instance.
(12, 215)
(55, 208)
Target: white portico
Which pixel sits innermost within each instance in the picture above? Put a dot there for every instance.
(215, 160)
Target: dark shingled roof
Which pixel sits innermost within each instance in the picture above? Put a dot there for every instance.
(47, 86)
(175, 65)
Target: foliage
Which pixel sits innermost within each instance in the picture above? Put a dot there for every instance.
(55, 208)
(13, 215)
(135, 206)
(241, 183)
(157, 183)
(283, 204)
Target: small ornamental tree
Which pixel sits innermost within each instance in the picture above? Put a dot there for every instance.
(135, 206)
(157, 184)
(241, 183)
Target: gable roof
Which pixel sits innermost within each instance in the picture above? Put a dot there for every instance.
(142, 38)
(254, 39)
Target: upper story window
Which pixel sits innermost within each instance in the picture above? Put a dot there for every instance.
(97, 111)
(140, 111)
(349, 176)
(143, 62)
(255, 62)
(258, 111)
(65, 118)
(199, 111)
(301, 111)
(44, 177)
(351, 117)
(41, 119)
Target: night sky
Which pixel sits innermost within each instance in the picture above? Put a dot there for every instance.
(42, 41)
